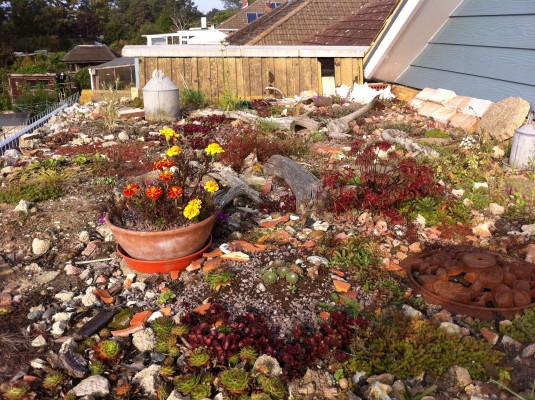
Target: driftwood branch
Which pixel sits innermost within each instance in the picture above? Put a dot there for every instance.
(237, 187)
(287, 123)
(399, 137)
(303, 184)
(341, 125)
(275, 90)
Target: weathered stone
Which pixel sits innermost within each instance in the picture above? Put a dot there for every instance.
(95, 386)
(12, 156)
(502, 118)
(451, 328)
(429, 108)
(84, 237)
(267, 365)
(383, 378)
(444, 115)
(36, 312)
(489, 336)
(45, 277)
(123, 136)
(72, 362)
(511, 343)
(39, 341)
(469, 123)
(23, 207)
(40, 246)
(149, 380)
(411, 312)
(89, 299)
(378, 390)
(442, 96)
(457, 378)
(496, 209)
(144, 340)
(176, 396)
(529, 351)
(58, 328)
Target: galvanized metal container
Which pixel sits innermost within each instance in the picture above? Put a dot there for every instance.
(523, 148)
(161, 98)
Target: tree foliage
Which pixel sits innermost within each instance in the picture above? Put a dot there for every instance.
(28, 25)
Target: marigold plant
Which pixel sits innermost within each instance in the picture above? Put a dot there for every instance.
(172, 195)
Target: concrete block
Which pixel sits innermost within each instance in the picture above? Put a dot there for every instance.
(444, 114)
(426, 94)
(467, 122)
(458, 102)
(442, 96)
(476, 107)
(416, 103)
(428, 108)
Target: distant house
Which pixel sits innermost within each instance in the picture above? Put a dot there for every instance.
(248, 14)
(477, 48)
(202, 35)
(88, 55)
(294, 22)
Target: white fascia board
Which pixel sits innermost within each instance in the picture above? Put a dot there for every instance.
(243, 51)
(390, 39)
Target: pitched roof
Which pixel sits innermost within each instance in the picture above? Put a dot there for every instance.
(117, 62)
(293, 22)
(358, 29)
(239, 20)
(90, 54)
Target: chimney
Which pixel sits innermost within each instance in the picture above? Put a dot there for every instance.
(244, 3)
(203, 23)
(268, 7)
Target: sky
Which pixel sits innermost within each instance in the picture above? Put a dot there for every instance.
(207, 5)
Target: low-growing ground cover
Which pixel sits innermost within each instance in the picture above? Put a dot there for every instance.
(321, 309)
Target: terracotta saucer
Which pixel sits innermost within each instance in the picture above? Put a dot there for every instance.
(162, 266)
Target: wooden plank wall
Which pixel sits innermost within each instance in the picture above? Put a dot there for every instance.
(248, 77)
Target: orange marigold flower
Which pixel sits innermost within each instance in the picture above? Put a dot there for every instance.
(174, 191)
(163, 164)
(166, 176)
(153, 192)
(130, 190)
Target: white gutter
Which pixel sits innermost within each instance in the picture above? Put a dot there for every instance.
(389, 40)
(222, 51)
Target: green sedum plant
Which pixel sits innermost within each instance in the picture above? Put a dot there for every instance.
(199, 358)
(235, 380)
(522, 327)
(187, 382)
(406, 348)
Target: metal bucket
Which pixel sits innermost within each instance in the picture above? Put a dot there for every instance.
(523, 148)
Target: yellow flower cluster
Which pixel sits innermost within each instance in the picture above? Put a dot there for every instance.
(213, 149)
(174, 151)
(169, 133)
(211, 186)
(193, 209)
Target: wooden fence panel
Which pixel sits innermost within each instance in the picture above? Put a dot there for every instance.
(247, 77)
(204, 76)
(255, 77)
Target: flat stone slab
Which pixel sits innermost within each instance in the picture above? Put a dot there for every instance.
(477, 107)
(428, 108)
(467, 122)
(444, 114)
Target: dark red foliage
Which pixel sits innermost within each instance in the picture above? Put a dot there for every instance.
(306, 348)
(381, 185)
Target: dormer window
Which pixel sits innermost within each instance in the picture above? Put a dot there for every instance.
(253, 16)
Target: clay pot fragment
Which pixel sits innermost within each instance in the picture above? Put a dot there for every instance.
(491, 277)
(452, 291)
(477, 288)
(478, 261)
(503, 299)
(521, 298)
(471, 277)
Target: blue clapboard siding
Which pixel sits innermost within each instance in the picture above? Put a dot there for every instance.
(485, 49)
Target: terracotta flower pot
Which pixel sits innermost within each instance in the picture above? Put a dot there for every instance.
(163, 245)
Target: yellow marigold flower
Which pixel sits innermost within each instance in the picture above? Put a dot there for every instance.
(213, 149)
(211, 186)
(193, 209)
(174, 151)
(168, 133)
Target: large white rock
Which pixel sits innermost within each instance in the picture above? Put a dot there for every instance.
(144, 340)
(95, 386)
(40, 246)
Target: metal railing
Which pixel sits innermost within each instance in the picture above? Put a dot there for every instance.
(10, 139)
